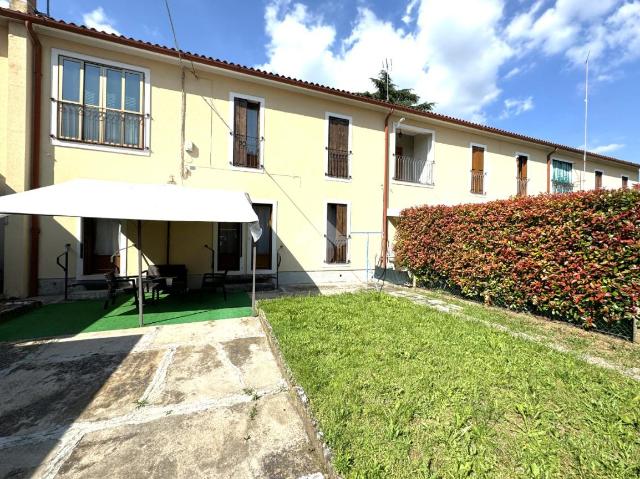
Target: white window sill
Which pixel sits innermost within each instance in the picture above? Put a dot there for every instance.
(326, 265)
(339, 180)
(410, 183)
(246, 169)
(105, 148)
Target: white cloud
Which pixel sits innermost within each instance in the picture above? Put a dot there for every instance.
(407, 18)
(4, 3)
(607, 30)
(515, 107)
(513, 72)
(452, 57)
(100, 21)
(611, 147)
(453, 52)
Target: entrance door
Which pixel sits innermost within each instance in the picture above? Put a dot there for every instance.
(264, 244)
(100, 241)
(229, 246)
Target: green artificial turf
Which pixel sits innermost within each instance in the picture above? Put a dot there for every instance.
(402, 390)
(88, 315)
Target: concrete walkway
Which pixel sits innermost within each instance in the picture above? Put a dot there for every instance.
(191, 400)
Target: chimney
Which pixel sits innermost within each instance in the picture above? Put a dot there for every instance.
(24, 6)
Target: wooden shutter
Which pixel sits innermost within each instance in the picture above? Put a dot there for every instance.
(341, 233)
(240, 132)
(338, 146)
(337, 239)
(338, 134)
(522, 167)
(477, 169)
(331, 233)
(598, 180)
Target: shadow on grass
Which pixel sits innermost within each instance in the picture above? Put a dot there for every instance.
(89, 316)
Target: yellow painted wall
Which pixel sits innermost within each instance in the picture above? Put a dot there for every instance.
(4, 91)
(16, 110)
(294, 166)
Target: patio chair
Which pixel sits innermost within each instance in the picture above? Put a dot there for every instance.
(117, 285)
(214, 281)
(172, 278)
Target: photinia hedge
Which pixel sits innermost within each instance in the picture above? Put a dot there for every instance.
(574, 257)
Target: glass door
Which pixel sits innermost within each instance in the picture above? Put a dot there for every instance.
(264, 258)
(229, 246)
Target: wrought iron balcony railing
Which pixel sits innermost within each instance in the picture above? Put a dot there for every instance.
(560, 186)
(246, 151)
(338, 163)
(477, 182)
(413, 170)
(521, 185)
(102, 126)
(337, 249)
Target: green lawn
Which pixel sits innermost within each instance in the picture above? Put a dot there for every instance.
(85, 316)
(573, 338)
(401, 390)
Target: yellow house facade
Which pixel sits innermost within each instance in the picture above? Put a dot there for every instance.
(326, 170)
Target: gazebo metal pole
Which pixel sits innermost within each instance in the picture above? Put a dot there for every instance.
(140, 292)
(253, 283)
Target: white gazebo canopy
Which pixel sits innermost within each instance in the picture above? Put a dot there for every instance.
(135, 201)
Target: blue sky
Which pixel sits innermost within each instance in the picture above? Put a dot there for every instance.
(511, 64)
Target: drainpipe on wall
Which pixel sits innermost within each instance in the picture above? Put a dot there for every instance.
(385, 192)
(549, 169)
(34, 236)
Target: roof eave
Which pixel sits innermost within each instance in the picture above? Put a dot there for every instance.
(299, 84)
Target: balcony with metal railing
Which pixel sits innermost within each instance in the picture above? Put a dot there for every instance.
(521, 186)
(561, 186)
(477, 182)
(100, 126)
(337, 249)
(338, 163)
(413, 170)
(246, 151)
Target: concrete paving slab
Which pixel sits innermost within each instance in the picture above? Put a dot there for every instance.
(254, 360)
(230, 442)
(198, 373)
(207, 332)
(191, 400)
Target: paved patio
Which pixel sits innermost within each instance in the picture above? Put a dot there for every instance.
(190, 400)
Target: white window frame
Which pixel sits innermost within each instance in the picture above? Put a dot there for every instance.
(628, 177)
(485, 181)
(324, 235)
(55, 90)
(573, 169)
(124, 248)
(430, 156)
(274, 237)
(328, 114)
(253, 99)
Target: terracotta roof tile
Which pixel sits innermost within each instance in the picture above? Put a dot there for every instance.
(195, 57)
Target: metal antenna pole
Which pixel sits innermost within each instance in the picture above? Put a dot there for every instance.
(586, 114)
(387, 65)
